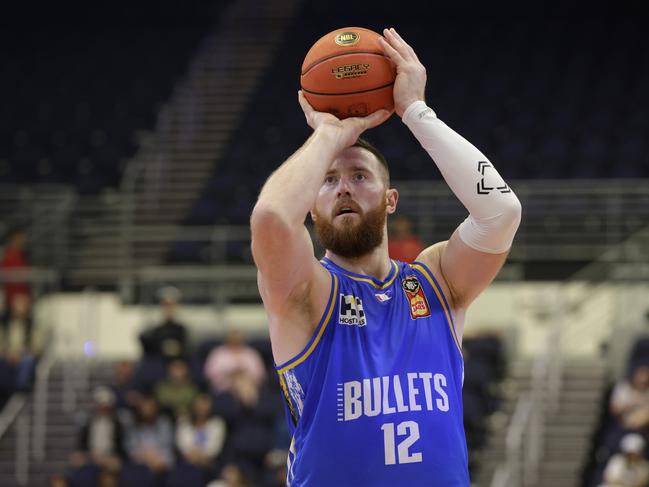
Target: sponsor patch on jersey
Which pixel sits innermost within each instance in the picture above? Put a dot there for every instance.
(351, 311)
(419, 307)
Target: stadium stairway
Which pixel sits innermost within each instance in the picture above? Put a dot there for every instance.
(567, 432)
(60, 439)
(192, 132)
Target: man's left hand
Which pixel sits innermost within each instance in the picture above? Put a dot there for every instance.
(410, 84)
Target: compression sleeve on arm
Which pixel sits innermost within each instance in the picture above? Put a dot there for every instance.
(494, 209)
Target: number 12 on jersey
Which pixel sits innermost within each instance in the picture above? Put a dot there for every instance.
(400, 454)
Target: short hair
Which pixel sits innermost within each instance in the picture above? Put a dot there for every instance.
(364, 144)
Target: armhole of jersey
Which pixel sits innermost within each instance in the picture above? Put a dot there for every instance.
(430, 277)
(319, 331)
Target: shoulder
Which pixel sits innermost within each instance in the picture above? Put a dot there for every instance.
(431, 260)
(431, 257)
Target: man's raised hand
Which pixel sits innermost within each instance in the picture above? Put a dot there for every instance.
(346, 131)
(410, 85)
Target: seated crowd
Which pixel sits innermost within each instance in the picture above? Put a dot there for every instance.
(184, 416)
(620, 458)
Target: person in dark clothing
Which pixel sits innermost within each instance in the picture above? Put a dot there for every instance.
(21, 341)
(123, 385)
(101, 436)
(169, 338)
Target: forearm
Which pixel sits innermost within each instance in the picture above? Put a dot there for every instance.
(292, 189)
(494, 208)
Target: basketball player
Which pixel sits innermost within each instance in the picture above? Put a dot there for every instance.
(368, 350)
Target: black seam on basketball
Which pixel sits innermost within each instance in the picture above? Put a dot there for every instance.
(314, 64)
(350, 93)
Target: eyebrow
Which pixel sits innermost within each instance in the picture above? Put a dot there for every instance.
(353, 168)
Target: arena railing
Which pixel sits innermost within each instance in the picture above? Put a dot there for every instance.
(30, 434)
(562, 219)
(44, 211)
(13, 413)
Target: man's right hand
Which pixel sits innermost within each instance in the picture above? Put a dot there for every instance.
(345, 132)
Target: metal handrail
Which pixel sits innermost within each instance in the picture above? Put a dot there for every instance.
(10, 412)
(30, 275)
(41, 402)
(22, 449)
(14, 412)
(76, 375)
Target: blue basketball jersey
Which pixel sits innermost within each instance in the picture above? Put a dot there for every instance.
(375, 397)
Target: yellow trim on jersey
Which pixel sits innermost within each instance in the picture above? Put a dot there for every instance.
(323, 327)
(287, 396)
(370, 281)
(438, 292)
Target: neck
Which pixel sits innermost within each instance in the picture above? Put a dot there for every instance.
(375, 263)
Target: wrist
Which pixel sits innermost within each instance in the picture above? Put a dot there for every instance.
(416, 110)
(331, 137)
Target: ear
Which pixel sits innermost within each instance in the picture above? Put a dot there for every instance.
(392, 196)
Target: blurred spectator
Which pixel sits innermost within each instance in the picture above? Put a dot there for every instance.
(200, 436)
(231, 476)
(149, 440)
(126, 395)
(251, 418)
(108, 479)
(13, 259)
(168, 339)
(101, 437)
(630, 400)
(403, 244)
(58, 480)
(177, 392)
(275, 468)
(230, 359)
(20, 341)
(628, 468)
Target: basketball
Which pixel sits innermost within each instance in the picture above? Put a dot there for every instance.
(345, 73)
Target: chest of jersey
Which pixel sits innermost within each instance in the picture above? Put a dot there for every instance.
(381, 392)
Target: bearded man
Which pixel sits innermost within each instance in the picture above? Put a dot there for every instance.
(368, 350)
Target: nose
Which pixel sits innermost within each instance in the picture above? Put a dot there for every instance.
(343, 187)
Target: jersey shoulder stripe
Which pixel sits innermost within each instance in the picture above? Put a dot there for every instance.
(430, 277)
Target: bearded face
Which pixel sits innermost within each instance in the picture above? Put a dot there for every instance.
(354, 232)
(352, 205)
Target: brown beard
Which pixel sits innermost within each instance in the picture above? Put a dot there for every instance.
(352, 240)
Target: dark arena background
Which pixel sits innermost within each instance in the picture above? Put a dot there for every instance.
(134, 139)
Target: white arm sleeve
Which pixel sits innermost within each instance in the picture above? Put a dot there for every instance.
(494, 209)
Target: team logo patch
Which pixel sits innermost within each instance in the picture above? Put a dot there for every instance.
(419, 307)
(384, 296)
(351, 311)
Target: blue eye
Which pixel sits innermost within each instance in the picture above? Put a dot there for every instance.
(359, 177)
(330, 180)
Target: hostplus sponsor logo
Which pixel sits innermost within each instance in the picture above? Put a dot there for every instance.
(351, 311)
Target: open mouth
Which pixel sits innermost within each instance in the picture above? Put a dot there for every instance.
(346, 210)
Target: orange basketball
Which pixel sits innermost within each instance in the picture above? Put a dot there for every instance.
(346, 73)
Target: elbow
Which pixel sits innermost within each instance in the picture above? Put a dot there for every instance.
(513, 211)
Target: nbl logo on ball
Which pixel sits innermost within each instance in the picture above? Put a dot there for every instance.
(347, 38)
(351, 311)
